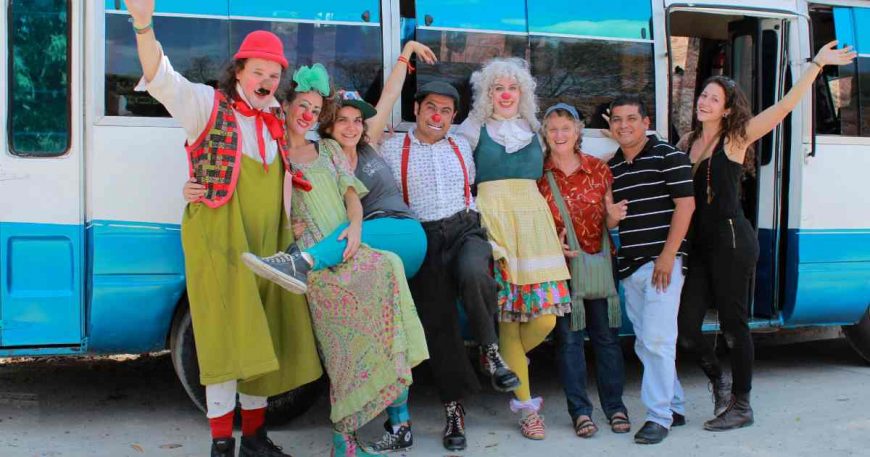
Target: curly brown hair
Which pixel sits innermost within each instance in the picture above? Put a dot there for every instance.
(228, 79)
(327, 122)
(734, 124)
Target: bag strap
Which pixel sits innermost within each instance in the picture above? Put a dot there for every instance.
(573, 243)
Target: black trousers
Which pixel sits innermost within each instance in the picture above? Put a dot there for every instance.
(720, 273)
(457, 265)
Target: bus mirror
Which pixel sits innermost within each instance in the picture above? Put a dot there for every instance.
(366, 16)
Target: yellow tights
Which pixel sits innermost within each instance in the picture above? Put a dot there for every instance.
(516, 339)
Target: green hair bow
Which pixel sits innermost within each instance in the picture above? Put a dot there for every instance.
(311, 78)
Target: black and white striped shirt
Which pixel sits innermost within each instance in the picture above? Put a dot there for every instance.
(650, 182)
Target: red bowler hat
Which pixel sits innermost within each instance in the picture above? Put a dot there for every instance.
(261, 44)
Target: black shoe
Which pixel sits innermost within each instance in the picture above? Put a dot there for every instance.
(287, 269)
(223, 447)
(503, 379)
(650, 433)
(259, 445)
(738, 414)
(679, 419)
(402, 440)
(454, 431)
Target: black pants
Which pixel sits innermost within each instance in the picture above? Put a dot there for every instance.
(457, 265)
(720, 272)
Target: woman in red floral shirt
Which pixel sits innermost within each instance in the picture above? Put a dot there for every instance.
(584, 183)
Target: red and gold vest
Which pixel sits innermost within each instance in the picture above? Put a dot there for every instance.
(214, 158)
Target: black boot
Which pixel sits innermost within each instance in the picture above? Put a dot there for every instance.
(259, 445)
(454, 431)
(738, 414)
(287, 269)
(223, 447)
(503, 379)
(720, 384)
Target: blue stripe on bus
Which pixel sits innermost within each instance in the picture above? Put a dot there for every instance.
(335, 10)
(209, 7)
(827, 277)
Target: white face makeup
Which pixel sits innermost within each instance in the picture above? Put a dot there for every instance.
(505, 93)
(304, 111)
(259, 79)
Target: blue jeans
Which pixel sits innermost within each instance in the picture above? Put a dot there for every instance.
(653, 315)
(403, 237)
(571, 360)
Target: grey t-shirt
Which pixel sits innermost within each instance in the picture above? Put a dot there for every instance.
(384, 198)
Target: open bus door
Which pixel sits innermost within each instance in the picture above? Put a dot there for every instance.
(747, 45)
(41, 214)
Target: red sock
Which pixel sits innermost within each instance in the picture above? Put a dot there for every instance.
(252, 420)
(222, 427)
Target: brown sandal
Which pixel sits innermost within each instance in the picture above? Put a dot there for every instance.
(584, 427)
(619, 423)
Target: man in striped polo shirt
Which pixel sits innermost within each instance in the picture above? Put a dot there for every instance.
(652, 182)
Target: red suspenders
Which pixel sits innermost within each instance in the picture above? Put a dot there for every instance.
(406, 151)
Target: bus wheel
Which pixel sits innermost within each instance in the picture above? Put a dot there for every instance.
(858, 336)
(282, 407)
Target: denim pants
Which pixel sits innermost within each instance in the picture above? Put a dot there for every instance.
(571, 360)
(654, 317)
(402, 236)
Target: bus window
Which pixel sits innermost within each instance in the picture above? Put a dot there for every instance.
(343, 35)
(862, 44)
(586, 56)
(196, 41)
(39, 88)
(836, 91)
(463, 35)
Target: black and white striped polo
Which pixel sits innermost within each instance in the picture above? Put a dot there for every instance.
(650, 182)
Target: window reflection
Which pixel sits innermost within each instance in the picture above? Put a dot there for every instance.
(590, 73)
(630, 19)
(501, 15)
(196, 47)
(836, 90)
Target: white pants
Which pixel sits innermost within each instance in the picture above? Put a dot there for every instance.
(654, 317)
(220, 399)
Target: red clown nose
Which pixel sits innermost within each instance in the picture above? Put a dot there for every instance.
(505, 96)
(307, 117)
(436, 117)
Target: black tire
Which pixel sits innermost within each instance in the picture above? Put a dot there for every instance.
(858, 336)
(282, 408)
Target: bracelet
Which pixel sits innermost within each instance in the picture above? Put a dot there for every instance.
(142, 30)
(408, 63)
(821, 67)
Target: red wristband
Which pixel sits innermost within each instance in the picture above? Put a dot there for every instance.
(408, 63)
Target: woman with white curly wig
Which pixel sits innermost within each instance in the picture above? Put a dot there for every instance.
(530, 266)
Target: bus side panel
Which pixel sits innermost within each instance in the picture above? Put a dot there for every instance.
(40, 284)
(138, 279)
(830, 281)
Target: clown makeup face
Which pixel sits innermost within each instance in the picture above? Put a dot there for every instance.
(303, 111)
(505, 93)
(711, 103)
(435, 115)
(348, 127)
(259, 79)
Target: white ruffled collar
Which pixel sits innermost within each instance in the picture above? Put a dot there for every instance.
(514, 134)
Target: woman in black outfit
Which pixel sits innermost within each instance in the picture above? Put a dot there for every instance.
(724, 245)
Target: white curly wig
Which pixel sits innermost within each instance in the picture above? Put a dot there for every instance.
(500, 67)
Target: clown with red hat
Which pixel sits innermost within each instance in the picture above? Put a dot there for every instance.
(253, 339)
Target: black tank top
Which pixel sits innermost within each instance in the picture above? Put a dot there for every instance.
(724, 178)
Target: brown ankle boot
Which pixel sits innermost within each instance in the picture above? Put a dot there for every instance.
(737, 415)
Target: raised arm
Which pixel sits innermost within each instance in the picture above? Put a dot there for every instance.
(393, 87)
(142, 12)
(765, 121)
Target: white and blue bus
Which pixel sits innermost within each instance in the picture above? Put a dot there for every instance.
(91, 171)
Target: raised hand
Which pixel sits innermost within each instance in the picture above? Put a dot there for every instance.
(828, 55)
(423, 52)
(141, 11)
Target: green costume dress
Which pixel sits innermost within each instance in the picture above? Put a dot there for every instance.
(246, 328)
(366, 324)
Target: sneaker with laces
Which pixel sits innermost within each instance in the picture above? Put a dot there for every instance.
(532, 426)
(503, 379)
(259, 445)
(287, 269)
(401, 440)
(454, 431)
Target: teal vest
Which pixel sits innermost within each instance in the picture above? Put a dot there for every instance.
(493, 163)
